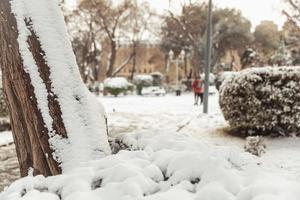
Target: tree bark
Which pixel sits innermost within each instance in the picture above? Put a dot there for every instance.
(112, 58)
(134, 54)
(29, 130)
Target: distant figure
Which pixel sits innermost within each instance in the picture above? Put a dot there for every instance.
(197, 86)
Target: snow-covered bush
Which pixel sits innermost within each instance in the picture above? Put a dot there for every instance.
(117, 85)
(263, 101)
(157, 78)
(142, 81)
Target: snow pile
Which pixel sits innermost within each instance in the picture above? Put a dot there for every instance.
(161, 167)
(145, 80)
(263, 101)
(6, 138)
(117, 85)
(86, 129)
(116, 82)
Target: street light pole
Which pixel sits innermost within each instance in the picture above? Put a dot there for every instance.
(177, 81)
(207, 58)
(178, 60)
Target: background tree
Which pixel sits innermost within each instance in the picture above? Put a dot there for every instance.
(110, 17)
(136, 28)
(267, 39)
(292, 12)
(291, 29)
(230, 31)
(232, 34)
(86, 37)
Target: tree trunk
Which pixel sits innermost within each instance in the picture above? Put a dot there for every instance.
(112, 58)
(37, 120)
(133, 60)
(28, 127)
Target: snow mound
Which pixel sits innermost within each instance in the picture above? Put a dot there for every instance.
(116, 82)
(161, 167)
(6, 138)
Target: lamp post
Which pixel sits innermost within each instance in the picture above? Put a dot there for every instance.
(207, 58)
(178, 60)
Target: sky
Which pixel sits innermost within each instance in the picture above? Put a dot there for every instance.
(255, 10)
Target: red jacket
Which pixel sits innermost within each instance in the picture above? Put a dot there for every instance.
(197, 86)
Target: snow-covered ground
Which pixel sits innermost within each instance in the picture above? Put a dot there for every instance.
(6, 138)
(178, 154)
(169, 114)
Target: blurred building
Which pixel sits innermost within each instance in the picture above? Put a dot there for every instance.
(149, 59)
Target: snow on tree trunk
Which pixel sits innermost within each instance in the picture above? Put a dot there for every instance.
(57, 125)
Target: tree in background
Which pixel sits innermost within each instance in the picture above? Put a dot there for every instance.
(86, 36)
(233, 34)
(291, 29)
(110, 18)
(293, 11)
(267, 39)
(187, 31)
(137, 26)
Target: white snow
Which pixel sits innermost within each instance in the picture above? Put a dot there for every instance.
(87, 138)
(198, 162)
(116, 82)
(6, 138)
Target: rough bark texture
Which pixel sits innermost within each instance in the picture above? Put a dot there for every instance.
(29, 131)
(112, 58)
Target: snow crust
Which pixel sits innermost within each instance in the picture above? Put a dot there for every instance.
(87, 138)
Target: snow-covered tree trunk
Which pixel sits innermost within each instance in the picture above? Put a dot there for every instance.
(57, 125)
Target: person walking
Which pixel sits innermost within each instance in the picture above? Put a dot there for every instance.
(198, 90)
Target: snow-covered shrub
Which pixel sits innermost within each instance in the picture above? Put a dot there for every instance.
(142, 81)
(255, 145)
(117, 85)
(157, 78)
(263, 101)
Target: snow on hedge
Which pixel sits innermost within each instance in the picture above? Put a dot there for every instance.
(117, 82)
(162, 167)
(145, 80)
(86, 130)
(263, 100)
